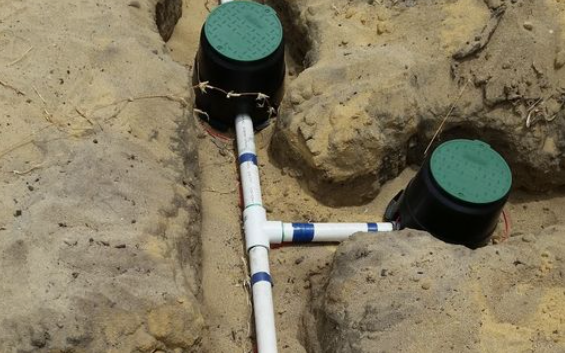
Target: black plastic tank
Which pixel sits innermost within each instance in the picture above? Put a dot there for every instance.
(457, 195)
(241, 54)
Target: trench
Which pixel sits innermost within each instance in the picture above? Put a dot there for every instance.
(224, 293)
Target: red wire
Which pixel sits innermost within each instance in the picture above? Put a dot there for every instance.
(214, 133)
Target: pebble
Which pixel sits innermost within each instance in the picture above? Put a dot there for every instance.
(426, 286)
(350, 12)
(560, 59)
(528, 25)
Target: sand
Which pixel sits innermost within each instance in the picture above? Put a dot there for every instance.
(84, 152)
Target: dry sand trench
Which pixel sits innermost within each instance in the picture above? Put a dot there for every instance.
(286, 196)
(286, 199)
(116, 237)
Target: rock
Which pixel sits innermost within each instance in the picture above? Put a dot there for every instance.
(64, 288)
(528, 25)
(177, 326)
(560, 59)
(500, 300)
(167, 14)
(377, 105)
(494, 4)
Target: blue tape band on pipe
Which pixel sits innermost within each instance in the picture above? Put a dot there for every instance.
(261, 277)
(373, 227)
(302, 232)
(248, 157)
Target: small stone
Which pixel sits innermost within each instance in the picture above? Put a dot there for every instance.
(135, 4)
(39, 339)
(18, 213)
(70, 242)
(426, 286)
(299, 260)
(560, 59)
(382, 28)
(350, 12)
(528, 25)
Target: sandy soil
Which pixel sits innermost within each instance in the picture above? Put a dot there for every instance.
(99, 194)
(60, 164)
(286, 199)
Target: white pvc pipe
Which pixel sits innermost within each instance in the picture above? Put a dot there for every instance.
(279, 232)
(256, 240)
(254, 213)
(260, 233)
(263, 307)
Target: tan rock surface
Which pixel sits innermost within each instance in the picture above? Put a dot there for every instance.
(99, 216)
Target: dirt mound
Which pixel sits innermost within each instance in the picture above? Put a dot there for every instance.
(383, 76)
(99, 217)
(408, 292)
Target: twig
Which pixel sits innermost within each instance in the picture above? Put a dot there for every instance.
(126, 101)
(246, 281)
(17, 172)
(27, 141)
(49, 116)
(39, 95)
(20, 58)
(84, 116)
(483, 38)
(531, 111)
(198, 111)
(263, 100)
(447, 116)
(219, 192)
(17, 90)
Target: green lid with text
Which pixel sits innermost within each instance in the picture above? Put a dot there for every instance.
(471, 171)
(244, 30)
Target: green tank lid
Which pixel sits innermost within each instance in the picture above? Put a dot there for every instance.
(471, 171)
(244, 30)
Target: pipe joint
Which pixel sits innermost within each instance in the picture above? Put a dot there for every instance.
(253, 220)
(274, 231)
